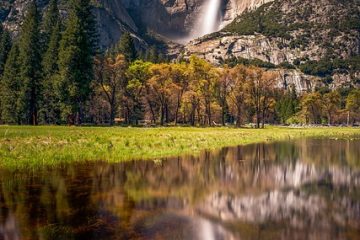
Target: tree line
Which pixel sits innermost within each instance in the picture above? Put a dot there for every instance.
(53, 73)
(196, 93)
(48, 70)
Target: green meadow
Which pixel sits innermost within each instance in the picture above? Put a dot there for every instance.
(33, 147)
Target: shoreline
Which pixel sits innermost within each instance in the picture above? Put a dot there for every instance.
(27, 147)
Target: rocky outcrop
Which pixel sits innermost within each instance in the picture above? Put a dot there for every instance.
(291, 77)
(233, 8)
(222, 46)
(113, 20)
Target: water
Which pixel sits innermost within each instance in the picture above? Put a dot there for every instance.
(211, 21)
(208, 21)
(306, 189)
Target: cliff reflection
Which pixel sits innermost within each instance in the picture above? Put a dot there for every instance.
(307, 189)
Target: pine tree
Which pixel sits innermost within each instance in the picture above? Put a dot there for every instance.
(10, 88)
(49, 111)
(127, 48)
(5, 46)
(76, 56)
(152, 54)
(30, 62)
(50, 22)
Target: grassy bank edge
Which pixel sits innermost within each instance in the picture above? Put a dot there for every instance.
(25, 147)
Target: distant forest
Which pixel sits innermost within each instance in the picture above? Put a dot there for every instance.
(53, 73)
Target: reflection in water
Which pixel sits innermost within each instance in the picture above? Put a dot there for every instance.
(307, 189)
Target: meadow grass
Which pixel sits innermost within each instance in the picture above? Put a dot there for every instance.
(33, 147)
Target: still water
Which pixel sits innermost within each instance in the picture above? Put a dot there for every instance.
(303, 189)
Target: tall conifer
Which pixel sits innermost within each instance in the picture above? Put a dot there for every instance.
(50, 112)
(77, 49)
(5, 46)
(30, 65)
(127, 48)
(10, 88)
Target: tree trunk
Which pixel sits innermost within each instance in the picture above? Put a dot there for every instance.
(238, 118)
(166, 113)
(263, 119)
(223, 115)
(112, 114)
(257, 119)
(162, 110)
(177, 110)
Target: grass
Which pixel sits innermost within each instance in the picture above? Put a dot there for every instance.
(33, 147)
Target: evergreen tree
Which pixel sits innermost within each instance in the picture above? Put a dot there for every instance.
(10, 88)
(50, 112)
(127, 48)
(288, 104)
(30, 65)
(50, 22)
(152, 54)
(5, 46)
(77, 50)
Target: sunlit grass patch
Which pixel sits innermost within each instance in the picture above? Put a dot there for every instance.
(32, 147)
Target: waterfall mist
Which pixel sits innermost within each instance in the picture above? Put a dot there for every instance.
(211, 19)
(208, 20)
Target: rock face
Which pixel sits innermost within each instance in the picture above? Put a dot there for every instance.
(304, 30)
(165, 17)
(172, 19)
(290, 31)
(233, 8)
(112, 18)
(292, 77)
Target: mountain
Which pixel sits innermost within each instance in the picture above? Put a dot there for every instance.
(318, 38)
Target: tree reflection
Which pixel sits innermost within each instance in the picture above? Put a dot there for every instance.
(231, 191)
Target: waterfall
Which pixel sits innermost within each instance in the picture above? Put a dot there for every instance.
(208, 20)
(211, 18)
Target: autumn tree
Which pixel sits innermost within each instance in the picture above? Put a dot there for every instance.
(237, 91)
(260, 88)
(203, 81)
(137, 74)
(110, 75)
(331, 104)
(353, 103)
(161, 83)
(179, 75)
(222, 90)
(311, 107)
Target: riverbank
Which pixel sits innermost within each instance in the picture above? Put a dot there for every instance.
(33, 147)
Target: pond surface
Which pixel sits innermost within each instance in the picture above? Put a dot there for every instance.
(303, 189)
